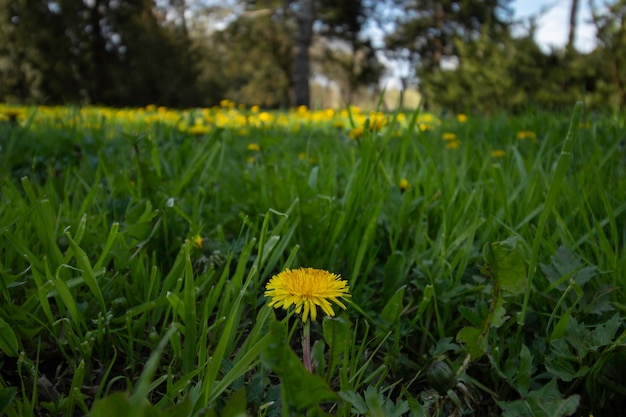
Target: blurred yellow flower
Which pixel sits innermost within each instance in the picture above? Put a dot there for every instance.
(254, 147)
(377, 121)
(424, 127)
(462, 118)
(356, 133)
(265, 117)
(403, 184)
(198, 129)
(449, 136)
(453, 144)
(339, 124)
(225, 103)
(13, 113)
(307, 288)
(526, 134)
(197, 241)
(497, 153)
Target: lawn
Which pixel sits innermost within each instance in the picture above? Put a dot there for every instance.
(483, 260)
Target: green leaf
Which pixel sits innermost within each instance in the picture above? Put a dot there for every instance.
(565, 266)
(561, 326)
(337, 333)
(7, 395)
(8, 340)
(498, 317)
(604, 334)
(301, 390)
(544, 402)
(429, 291)
(357, 402)
(417, 409)
(524, 371)
(116, 404)
(394, 273)
(393, 308)
(562, 363)
(473, 343)
(507, 264)
(374, 403)
(87, 272)
(236, 405)
(313, 178)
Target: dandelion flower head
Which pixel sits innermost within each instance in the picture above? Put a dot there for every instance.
(307, 288)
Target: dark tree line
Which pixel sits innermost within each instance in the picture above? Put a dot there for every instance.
(460, 54)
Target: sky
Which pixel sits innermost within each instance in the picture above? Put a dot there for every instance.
(553, 25)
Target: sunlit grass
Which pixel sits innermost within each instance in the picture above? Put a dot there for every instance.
(137, 244)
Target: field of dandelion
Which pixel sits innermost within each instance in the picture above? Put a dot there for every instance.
(482, 262)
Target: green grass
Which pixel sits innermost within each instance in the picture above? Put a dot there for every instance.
(489, 286)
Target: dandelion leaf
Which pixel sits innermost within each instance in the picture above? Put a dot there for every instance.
(544, 402)
(7, 395)
(301, 390)
(507, 265)
(337, 333)
(472, 341)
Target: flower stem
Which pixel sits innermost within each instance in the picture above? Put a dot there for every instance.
(306, 346)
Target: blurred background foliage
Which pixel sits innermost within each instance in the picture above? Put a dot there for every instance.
(463, 56)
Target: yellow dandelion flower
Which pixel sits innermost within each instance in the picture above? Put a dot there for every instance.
(250, 159)
(403, 184)
(462, 118)
(424, 127)
(307, 288)
(356, 133)
(198, 129)
(255, 109)
(254, 147)
(449, 136)
(198, 242)
(526, 134)
(453, 144)
(265, 117)
(497, 153)
(225, 103)
(13, 114)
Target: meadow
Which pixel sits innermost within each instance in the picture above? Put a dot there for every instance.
(485, 259)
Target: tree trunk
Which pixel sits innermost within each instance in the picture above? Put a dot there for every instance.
(305, 15)
(572, 26)
(439, 21)
(98, 64)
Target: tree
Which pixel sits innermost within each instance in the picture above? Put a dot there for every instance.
(94, 52)
(252, 60)
(572, 25)
(428, 32)
(611, 34)
(304, 12)
(307, 20)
